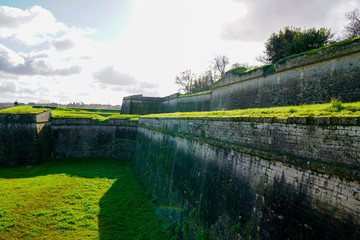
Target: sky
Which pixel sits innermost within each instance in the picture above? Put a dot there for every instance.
(96, 51)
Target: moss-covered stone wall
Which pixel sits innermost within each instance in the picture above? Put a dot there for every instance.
(31, 139)
(215, 185)
(78, 138)
(24, 139)
(331, 140)
(141, 105)
(309, 84)
(194, 103)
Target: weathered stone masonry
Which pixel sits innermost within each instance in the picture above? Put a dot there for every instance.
(233, 177)
(263, 190)
(24, 139)
(34, 139)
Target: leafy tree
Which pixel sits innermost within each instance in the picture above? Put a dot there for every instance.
(292, 41)
(352, 29)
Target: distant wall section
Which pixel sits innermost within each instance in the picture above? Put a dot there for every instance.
(308, 78)
(81, 138)
(304, 79)
(191, 103)
(138, 104)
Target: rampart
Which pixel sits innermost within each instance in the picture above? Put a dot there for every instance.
(24, 139)
(31, 139)
(79, 138)
(312, 77)
(226, 178)
(251, 178)
(229, 178)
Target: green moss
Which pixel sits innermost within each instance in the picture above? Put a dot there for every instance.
(236, 229)
(204, 235)
(192, 213)
(238, 70)
(194, 94)
(268, 69)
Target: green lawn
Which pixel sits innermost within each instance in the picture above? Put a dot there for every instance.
(76, 199)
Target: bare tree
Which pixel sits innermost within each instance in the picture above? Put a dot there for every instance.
(262, 59)
(244, 64)
(353, 27)
(219, 64)
(185, 80)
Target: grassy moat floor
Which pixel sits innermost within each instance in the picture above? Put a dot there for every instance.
(76, 199)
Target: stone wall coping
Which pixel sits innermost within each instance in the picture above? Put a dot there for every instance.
(349, 121)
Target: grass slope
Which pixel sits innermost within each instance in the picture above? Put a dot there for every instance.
(333, 109)
(76, 199)
(63, 112)
(97, 114)
(24, 110)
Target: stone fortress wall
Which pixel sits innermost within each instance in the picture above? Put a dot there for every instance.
(306, 78)
(229, 178)
(262, 178)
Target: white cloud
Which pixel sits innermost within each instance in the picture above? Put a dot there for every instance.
(31, 26)
(34, 63)
(62, 45)
(267, 16)
(110, 76)
(7, 87)
(161, 39)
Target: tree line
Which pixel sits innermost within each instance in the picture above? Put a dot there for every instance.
(287, 42)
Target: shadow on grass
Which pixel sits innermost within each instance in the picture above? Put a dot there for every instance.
(126, 212)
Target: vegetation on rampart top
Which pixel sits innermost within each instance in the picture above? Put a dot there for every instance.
(96, 114)
(333, 109)
(64, 112)
(292, 41)
(270, 68)
(316, 50)
(24, 110)
(194, 94)
(76, 199)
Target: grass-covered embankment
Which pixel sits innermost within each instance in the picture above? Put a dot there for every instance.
(333, 109)
(76, 199)
(24, 110)
(64, 112)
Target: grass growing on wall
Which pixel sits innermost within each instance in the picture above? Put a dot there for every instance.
(24, 110)
(194, 94)
(76, 199)
(64, 112)
(97, 114)
(333, 109)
